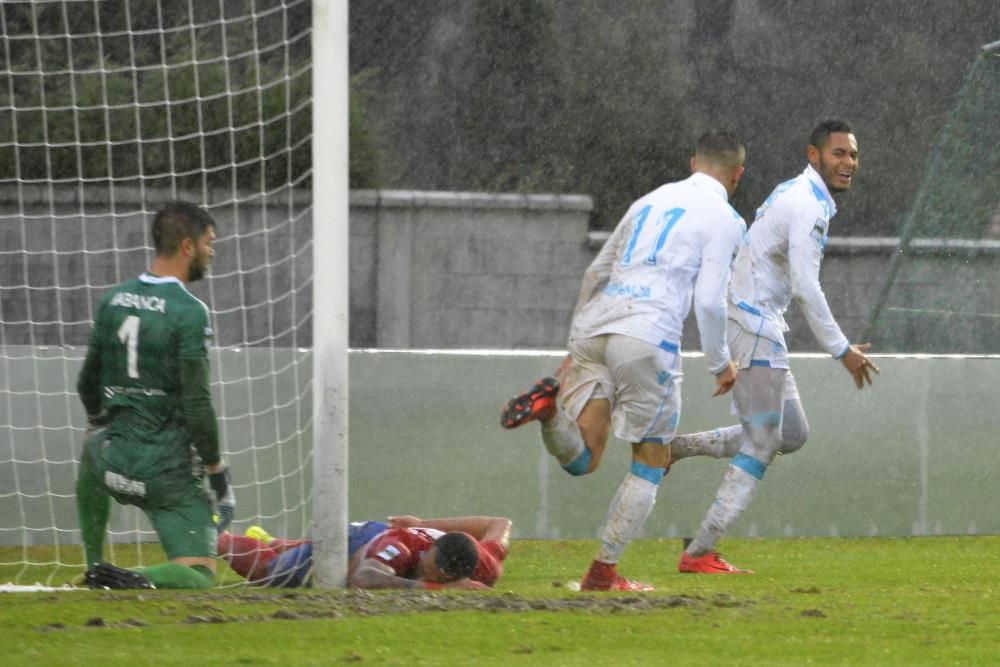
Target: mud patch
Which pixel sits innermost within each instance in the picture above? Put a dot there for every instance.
(271, 605)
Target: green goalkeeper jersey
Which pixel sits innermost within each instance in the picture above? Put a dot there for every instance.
(146, 374)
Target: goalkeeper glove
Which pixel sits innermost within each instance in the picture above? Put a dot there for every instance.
(96, 422)
(225, 499)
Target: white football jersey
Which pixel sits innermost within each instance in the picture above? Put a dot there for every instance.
(780, 259)
(675, 244)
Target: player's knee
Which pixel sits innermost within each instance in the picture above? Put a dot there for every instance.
(793, 441)
(794, 432)
(292, 569)
(583, 464)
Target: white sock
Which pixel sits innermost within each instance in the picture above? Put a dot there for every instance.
(628, 512)
(734, 496)
(720, 443)
(562, 437)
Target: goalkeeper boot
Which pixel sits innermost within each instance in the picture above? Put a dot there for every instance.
(108, 576)
(258, 533)
(605, 577)
(537, 403)
(708, 563)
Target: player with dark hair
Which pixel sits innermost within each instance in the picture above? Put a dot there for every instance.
(674, 246)
(778, 261)
(153, 433)
(405, 552)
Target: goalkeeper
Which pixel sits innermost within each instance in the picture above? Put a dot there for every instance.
(153, 433)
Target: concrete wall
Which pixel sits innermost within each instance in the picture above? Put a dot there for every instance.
(465, 270)
(433, 270)
(914, 455)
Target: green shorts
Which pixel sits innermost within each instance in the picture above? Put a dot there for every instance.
(187, 530)
(175, 501)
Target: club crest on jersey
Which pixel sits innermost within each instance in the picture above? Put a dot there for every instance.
(819, 232)
(388, 553)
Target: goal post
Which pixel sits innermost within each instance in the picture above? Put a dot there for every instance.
(330, 290)
(108, 109)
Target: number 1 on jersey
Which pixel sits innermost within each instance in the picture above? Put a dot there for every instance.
(128, 334)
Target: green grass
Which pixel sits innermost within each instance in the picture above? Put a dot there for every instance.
(834, 601)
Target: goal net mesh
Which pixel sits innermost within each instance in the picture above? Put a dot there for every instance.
(108, 109)
(939, 294)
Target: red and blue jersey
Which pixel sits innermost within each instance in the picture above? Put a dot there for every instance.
(401, 549)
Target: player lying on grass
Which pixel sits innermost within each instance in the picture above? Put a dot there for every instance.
(459, 552)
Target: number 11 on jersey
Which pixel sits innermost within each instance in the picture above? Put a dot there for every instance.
(666, 223)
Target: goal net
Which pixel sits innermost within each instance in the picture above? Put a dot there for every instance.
(939, 294)
(107, 109)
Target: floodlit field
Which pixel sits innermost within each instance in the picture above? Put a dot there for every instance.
(916, 601)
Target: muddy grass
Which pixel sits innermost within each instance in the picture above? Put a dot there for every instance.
(233, 607)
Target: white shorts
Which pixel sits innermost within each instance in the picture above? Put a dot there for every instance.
(750, 349)
(640, 380)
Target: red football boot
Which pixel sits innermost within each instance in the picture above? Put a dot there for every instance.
(604, 577)
(538, 403)
(709, 563)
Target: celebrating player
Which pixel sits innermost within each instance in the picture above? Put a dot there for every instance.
(778, 261)
(673, 244)
(145, 387)
(460, 552)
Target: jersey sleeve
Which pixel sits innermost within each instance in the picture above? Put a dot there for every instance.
(596, 275)
(88, 384)
(391, 549)
(711, 288)
(490, 565)
(194, 335)
(807, 233)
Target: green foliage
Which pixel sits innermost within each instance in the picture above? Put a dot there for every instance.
(961, 189)
(920, 601)
(220, 105)
(367, 157)
(942, 301)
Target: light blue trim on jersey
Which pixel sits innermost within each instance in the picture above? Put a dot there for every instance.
(821, 192)
(818, 192)
(841, 355)
(750, 465)
(743, 305)
(760, 362)
(648, 473)
(670, 347)
(579, 465)
(765, 419)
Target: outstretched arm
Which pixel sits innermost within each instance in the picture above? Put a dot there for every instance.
(859, 365)
(371, 573)
(596, 276)
(483, 528)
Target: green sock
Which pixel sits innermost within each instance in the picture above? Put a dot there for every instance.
(93, 506)
(175, 575)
